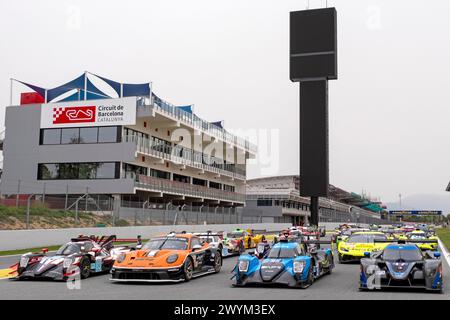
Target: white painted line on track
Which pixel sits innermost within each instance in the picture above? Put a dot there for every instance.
(444, 252)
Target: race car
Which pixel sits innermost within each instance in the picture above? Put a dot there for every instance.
(171, 258)
(422, 235)
(250, 238)
(81, 257)
(287, 263)
(342, 236)
(262, 249)
(402, 265)
(215, 240)
(355, 246)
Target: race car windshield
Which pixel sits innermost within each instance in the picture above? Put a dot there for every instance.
(417, 236)
(366, 238)
(68, 249)
(406, 255)
(209, 239)
(166, 244)
(282, 253)
(236, 235)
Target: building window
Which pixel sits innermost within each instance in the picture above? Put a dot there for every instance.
(138, 170)
(70, 136)
(228, 188)
(48, 172)
(76, 171)
(159, 174)
(161, 145)
(215, 185)
(106, 170)
(88, 135)
(50, 136)
(199, 182)
(87, 171)
(107, 134)
(264, 202)
(80, 135)
(180, 178)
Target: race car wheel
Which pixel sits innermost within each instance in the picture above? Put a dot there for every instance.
(310, 279)
(330, 264)
(85, 268)
(188, 269)
(217, 263)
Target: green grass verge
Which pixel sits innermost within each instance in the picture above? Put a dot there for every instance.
(22, 251)
(444, 235)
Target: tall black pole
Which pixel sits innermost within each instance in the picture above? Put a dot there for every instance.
(314, 211)
(313, 61)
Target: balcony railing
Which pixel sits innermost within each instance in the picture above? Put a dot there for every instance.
(185, 156)
(185, 189)
(196, 122)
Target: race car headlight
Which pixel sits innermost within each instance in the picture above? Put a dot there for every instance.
(172, 258)
(299, 266)
(120, 258)
(243, 266)
(344, 249)
(67, 263)
(23, 262)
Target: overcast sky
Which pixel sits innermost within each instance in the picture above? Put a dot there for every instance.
(389, 109)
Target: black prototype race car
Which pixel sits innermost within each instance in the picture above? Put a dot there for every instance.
(402, 265)
(81, 257)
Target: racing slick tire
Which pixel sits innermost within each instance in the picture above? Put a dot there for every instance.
(188, 269)
(309, 281)
(330, 263)
(85, 268)
(217, 262)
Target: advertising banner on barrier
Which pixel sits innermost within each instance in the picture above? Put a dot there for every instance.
(416, 212)
(90, 113)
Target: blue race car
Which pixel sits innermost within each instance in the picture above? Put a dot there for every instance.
(402, 265)
(287, 263)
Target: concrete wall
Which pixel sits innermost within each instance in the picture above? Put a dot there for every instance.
(20, 239)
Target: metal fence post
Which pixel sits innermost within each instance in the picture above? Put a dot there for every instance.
(17, 195)
(43, 194)
(86, 200)
(28, 211)
(76, 212)
(67, 197)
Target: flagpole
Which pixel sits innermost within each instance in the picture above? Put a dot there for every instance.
(11, 91)
(85, 85)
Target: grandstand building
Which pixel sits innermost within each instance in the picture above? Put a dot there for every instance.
(130, 145)
(277, 199)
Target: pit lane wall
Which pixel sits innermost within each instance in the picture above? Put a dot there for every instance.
(20, 239)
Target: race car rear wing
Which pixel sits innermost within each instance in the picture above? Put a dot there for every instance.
(401, 241)
(209, 233)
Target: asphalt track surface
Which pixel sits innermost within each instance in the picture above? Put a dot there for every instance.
(341, 284)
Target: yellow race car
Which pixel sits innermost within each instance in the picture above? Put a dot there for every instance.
(249, 238)
(418, 235)
(356, 245)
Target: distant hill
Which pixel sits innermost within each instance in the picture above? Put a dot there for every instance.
(423, 202)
